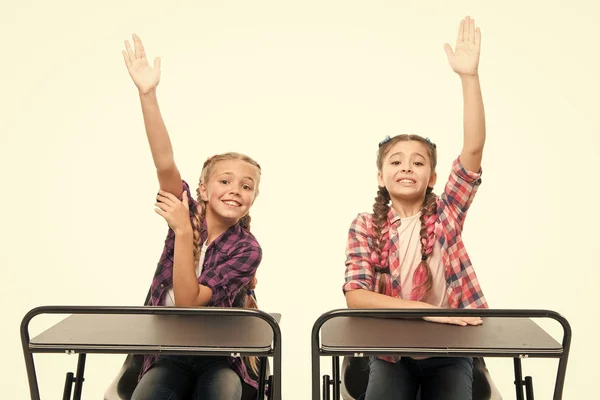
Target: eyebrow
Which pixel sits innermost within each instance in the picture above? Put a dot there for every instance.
(401, 153)
(231, 174)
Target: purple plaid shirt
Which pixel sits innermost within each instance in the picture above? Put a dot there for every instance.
(230, 263)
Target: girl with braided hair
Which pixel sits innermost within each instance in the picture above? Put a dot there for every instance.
(209, 256)
(409, 252)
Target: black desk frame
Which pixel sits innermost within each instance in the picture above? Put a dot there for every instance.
(317, 351)
(275, 352)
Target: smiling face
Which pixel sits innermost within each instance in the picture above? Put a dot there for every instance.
(230, 189)
(406, 170)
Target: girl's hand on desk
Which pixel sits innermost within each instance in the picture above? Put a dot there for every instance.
(462, 321)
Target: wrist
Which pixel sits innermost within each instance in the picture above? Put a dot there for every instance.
(469, 77)
(186, 233)
(147, 94)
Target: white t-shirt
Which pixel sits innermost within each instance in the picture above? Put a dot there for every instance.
(409, 253)
(170, 297)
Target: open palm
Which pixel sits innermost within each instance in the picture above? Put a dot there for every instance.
(144, 76)
(464, 60)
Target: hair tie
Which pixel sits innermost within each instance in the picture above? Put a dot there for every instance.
(430, 142)
(384, 141)
(250, 292)
(423, 257)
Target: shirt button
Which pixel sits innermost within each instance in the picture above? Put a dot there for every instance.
(162, 285)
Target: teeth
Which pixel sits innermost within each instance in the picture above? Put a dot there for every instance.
(232, 203)
(406, 181)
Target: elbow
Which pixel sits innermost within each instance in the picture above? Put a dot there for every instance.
(165, 165)
(191, 303)
(473, 151)
(351, 300)
(202, 300)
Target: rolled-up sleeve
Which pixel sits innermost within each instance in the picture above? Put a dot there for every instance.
(359, 272)
(232, 275)
(459, 192)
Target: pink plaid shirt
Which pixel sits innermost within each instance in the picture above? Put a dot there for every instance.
(462, 286)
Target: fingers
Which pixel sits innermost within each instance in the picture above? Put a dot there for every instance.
(478, 37)
(461, 321)
(126, 58)
(471, 36)
(157, 63)
(458, 321)
(461, 31)
(449, 51)
(130, 53)
(473, 320)
(166, 197)
(139, 47)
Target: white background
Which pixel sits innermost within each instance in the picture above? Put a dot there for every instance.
(308, 89)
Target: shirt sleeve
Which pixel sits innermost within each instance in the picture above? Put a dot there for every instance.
(193, 204)
(232, 275)
(458, 194)
(359, 272)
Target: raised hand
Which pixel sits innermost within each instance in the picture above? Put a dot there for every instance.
(145, 77)
(464, 60)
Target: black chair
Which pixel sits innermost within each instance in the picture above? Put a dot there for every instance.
(125, 382)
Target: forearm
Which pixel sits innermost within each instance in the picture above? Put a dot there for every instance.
(156, 132)
(362, 298)
(188, 293)
(473, 123)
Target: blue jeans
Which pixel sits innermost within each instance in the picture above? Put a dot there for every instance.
(439, 378)
(189, 377)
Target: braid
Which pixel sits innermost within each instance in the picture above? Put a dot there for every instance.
(250, 302)
(381, 241)
(199, 216)
(245, 222)
(422, 279)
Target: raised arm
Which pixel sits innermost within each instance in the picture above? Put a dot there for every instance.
(464, 60)
(146, 78)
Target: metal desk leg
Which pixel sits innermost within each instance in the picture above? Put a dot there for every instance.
(29, 364)
(336, 377)
(316, 368)
(79, 377)
(518, 379)
(276, 381)
(68, 386)
(560, 376)
(529, 387)
(326, 388)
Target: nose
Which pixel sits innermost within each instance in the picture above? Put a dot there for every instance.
(406, 168)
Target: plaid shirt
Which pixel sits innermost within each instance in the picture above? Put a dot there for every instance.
(230, 263)
(463, 288)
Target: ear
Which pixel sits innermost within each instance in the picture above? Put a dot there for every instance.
(380, 179)
(432, 180)
(203, 192)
